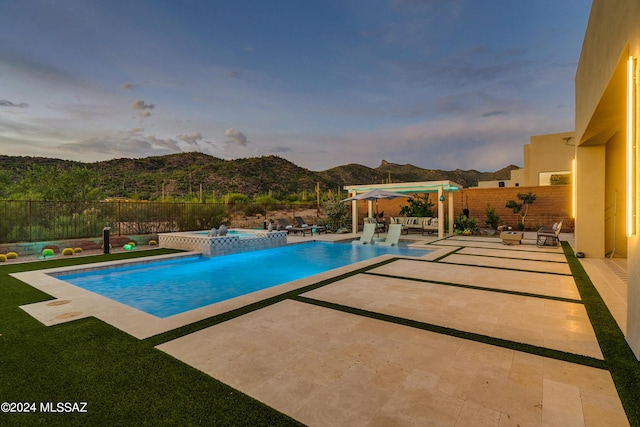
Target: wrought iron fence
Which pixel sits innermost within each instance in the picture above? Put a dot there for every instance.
(36, 221)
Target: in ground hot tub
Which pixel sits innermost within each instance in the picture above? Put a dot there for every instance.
(236, 240)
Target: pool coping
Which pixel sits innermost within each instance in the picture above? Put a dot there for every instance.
(71, 302)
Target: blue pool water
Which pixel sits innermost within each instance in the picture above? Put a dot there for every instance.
(165, 288)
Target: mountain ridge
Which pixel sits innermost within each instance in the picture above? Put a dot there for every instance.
(179, 174)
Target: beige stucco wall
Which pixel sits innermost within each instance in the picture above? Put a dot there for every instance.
(549, 153)
(590, 209)
(527, 166)
(612, 35)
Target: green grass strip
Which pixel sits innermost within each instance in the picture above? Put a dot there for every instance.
(478, 288)
(471, 336)
(623, 365)
(445, 255)
(123, 380)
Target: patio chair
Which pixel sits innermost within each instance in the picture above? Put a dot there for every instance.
(367, 235)
(546, 234)
(393, 235)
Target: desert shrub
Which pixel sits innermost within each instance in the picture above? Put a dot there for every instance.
(67, 251)
(461, 224)
(201, 216)
(338, 215)
(12, 255)
(233, 198)
(3, 257)
(47, 252)
(253, 209)
(77, 250)
(492, 219)
(152, 243)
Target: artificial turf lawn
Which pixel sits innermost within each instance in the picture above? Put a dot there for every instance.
(125, 381)
(621, 362)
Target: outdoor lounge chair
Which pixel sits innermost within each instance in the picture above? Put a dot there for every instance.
(393, 235)
(318, 228)
(380, 224)
(549, 234)
(367, 235)
(284, 225)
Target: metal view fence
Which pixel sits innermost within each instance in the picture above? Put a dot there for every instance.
(33, 221)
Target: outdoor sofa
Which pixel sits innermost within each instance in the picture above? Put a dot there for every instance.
(423, 224)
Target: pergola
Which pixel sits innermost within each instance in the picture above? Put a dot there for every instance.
(441, 187)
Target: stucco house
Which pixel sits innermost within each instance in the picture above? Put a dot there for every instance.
(606, 144)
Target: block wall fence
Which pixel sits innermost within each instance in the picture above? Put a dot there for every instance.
(552, 204)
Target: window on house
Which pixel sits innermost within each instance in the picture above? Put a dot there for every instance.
(555, 178)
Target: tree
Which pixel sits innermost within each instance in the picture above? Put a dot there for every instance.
(419, 206)
(55, 183)
(521, 208)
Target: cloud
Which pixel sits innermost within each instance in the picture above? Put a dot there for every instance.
(128, 86)
(191, 139)
(280, 149)
(6, 103)
(139, 105)
(133, 143)
(144, 110)
(494, 113)
(235, 137)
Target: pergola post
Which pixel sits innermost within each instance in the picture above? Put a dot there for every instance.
(451, 217)
(440, 213)
(354, 215)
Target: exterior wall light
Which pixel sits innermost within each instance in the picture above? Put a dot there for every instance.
(442, 198)
(631, 146)
(573, 187)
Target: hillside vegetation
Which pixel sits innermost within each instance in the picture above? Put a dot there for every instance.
(184, 174)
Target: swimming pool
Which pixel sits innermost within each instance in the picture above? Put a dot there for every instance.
(166, 288)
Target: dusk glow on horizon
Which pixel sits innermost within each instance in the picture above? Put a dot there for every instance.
(438, 84)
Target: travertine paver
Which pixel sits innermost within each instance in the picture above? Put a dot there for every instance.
(559, 325)
(505, 253)
(520, 281)
(325, 368)
(520, 264)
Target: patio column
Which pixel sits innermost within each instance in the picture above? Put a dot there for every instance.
(440, 213)
(354, 215)
(450, 212)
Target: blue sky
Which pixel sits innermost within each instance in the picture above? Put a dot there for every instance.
(440, 84)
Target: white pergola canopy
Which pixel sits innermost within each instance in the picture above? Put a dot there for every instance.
(440, 187)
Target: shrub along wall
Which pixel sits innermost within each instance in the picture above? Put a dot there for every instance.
(553, 203)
